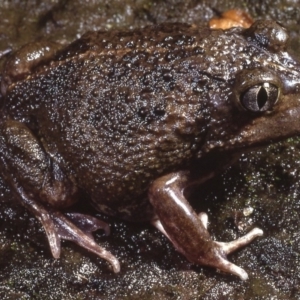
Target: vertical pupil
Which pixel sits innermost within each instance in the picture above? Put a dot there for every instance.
(262, 97)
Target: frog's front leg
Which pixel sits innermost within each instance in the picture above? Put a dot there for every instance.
(42, 187)
(187, 230)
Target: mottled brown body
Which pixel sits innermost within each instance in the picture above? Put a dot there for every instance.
(114, 112)
(118, 110)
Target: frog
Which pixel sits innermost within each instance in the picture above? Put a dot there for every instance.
(135, 120)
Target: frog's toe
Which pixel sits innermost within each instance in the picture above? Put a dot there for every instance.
(187, 230)
(203, 217)
(76, 228)
(67, 230)
(224, 265)
(241, 242)
(218, 251)
(213, 253)
(88, 224)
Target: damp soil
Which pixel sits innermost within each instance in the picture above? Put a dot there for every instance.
(266, 182)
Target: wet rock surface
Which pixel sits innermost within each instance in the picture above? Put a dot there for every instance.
(266, 180)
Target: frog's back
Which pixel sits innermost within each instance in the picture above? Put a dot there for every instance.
(120, 109)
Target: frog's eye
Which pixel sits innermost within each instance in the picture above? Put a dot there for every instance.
(256, 90)
(260, 97)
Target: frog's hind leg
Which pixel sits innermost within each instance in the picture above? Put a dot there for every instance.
(59, 227)
(188, 231)
(41, 186)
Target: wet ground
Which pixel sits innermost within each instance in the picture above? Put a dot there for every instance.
(267, 180)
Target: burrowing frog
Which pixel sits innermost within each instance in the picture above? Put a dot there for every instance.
(136, 118)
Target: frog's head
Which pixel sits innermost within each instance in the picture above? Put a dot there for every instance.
(264, 103)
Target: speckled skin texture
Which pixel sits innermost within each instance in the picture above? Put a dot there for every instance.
(116, 110)
(126, 115)
(159, 263)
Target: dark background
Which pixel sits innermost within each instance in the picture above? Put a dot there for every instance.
(266, 180)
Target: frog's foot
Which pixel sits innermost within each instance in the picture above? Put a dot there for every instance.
(217, 252)
(76, 228)
(188, 231)
(81, 233)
